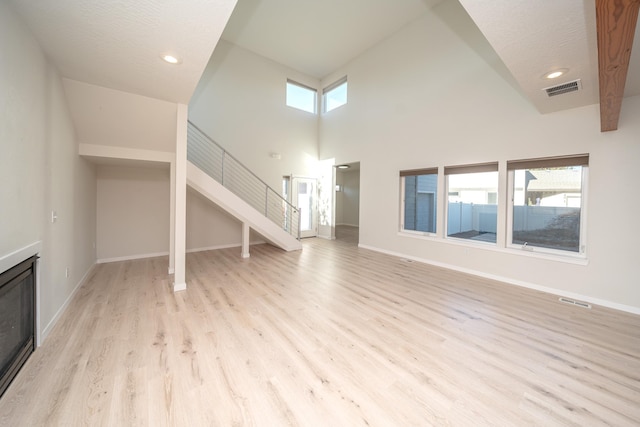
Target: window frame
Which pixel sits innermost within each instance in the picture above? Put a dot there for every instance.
(549, 162)
(329, 89)
(469, 169)
(504, 208)
(419, 172)
(302, 86)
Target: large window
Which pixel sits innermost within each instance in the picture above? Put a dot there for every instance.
(334, 95)
(420, 190)
(472, 202)
(547, 203)
(302, 97)
(540, 209)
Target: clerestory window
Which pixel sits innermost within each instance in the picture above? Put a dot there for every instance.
(334, 95)
(302, 97)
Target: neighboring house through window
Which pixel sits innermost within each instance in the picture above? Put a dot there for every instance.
(545, 207)
(420, 198)
(548, 200)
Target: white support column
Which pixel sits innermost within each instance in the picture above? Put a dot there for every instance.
(180, 239)
(172, 218)
(245, 240)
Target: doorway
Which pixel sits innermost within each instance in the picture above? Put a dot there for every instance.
(347, 202)
(304, 194)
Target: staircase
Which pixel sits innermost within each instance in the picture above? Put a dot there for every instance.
(228, 183)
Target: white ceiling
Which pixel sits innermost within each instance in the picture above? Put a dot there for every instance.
(117, 44)
(532, 40)
(531, 37)
(318, 37)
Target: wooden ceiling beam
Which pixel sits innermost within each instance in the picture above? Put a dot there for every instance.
(616, 24)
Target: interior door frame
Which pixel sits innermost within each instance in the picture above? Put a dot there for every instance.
(293, 191)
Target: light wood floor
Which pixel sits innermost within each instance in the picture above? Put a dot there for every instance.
(330, 336)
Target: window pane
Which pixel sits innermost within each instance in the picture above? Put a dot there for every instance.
(420, 196)
(472, 209)
(546, 207)
(301, 97)
(335, 97)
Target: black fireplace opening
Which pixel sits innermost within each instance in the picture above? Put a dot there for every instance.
(17, 319)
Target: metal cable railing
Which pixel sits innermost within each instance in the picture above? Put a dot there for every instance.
(210, 157)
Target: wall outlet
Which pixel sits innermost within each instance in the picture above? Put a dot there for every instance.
(54, 216)
(66, 272)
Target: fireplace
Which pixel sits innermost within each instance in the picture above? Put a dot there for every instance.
(17, 319)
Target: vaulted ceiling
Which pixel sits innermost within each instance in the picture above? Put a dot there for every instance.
(317, 37)
(535, 38)
(118, 44)
(532, 38)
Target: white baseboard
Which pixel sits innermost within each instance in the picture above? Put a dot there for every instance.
(229, 246)
(159, 254)
(214, 248)
(131, 257)
(552, 291)
(326, 237)
(47, 329)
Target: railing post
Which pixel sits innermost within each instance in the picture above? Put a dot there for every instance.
(222, 168)
(299, 216)
(287, 221)
(200, 140)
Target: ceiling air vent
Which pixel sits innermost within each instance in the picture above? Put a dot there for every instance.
(563, 88)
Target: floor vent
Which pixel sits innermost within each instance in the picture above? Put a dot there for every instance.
(563, 88)
(574, 302)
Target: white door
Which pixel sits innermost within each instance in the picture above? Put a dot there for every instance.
(304, 193)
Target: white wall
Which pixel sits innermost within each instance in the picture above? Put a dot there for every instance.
(210, 227)
(111, 117)
(348, 200)
(428, 97)
(240, 103)
(133, 215)
(40, 170)
(132, 212)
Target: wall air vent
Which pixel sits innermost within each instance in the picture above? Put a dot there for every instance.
(563, 88)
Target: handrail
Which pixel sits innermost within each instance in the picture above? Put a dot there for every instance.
(238, 161)
(214, 160)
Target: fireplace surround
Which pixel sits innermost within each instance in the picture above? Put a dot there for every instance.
(17, 319)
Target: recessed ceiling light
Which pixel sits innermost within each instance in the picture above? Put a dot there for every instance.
(170, 59)
(555, 73)
(343, 166)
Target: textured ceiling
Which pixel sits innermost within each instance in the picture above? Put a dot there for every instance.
(117, 44)
(318, 37)
(531, 38)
